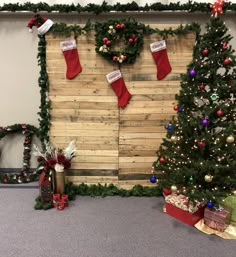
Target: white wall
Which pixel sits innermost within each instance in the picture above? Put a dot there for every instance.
(19, 72)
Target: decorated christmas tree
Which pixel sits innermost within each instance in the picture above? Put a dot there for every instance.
(198, 155)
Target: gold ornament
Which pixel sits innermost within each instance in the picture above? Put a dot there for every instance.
(208, 178)
(230, 139)
(173, 188)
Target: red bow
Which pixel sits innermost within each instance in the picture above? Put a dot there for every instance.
(217, 7)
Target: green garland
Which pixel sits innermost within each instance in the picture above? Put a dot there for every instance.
(25, 175)
(104, 7)
(103, 191)
(43, 82)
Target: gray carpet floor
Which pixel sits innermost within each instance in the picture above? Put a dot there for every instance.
(99, 227)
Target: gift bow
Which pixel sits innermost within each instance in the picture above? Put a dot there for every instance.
(217, 7)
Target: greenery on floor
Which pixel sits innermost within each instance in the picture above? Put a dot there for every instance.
(103, 191)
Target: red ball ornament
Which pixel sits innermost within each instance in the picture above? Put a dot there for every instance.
(226, 61)
(202, 87)
(201, 143)
(131, 40)
(118, 26)
(108, 42)
(122, 25)
(162, 159)
(219, 113)
(115, 58)
(176, 107)
(205, 52)
(105, 40)
(5, 180)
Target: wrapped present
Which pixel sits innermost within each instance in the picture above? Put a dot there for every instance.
(217, 219)
(230, 201)
(179, 207)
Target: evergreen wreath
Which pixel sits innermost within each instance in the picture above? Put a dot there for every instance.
(119, 41)
(25, 175)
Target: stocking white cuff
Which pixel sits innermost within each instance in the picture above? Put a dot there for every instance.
(67, 45)
(113, 76)
(158, 46)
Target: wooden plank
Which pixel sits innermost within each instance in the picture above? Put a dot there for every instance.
(85, 132)
(143, 165)
(84, 112)
(125, 171)
(146, 117)
(129, 153)
(98, 99)
(93, 179)
(96, 159)
(140, 159)
(94, 165)
(87, 125)
(142, 136)
(82, 139)
(97, 153)
(135, 147)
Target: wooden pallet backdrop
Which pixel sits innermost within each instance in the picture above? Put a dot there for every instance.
(114, 145)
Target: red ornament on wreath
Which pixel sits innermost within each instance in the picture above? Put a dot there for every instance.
(162, 160)
(5, 180)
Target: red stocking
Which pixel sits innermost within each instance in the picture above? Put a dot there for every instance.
(117, 83)
(70, 53)
(160, 56)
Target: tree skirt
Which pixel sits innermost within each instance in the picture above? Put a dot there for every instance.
(229, 233)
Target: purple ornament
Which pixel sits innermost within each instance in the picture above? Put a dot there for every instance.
(192, 72)
(205, 122)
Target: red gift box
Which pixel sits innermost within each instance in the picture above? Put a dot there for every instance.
(179, 207)
(217, 219)
(56, 198)
(185, 216)
(64, 198)
(60, 205)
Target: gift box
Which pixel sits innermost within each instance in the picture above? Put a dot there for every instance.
(230, 201)
(180, 208)
(217, 219)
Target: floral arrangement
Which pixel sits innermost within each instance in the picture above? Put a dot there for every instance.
(55, 158)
